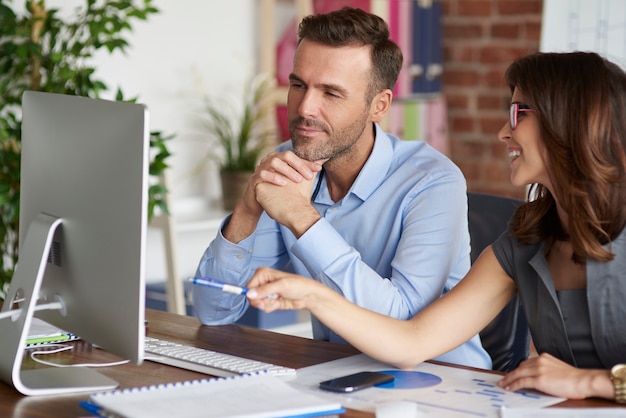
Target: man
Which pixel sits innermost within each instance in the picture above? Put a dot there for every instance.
(380, 220)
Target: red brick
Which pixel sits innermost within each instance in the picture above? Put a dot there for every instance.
(491, 125)
(505, 30)
(533, 31)
(460, 78)
(464, 53)
(470, 170)
(474, 150)
(495, 78)
(495, 172)
(499, 53)
(456, 101)
(461, 123)
(475, 8)
(463, 30)
(517, 7)
(498, 150)
(489, 101)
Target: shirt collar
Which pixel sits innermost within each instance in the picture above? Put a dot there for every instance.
(371, 175)
(376, 167)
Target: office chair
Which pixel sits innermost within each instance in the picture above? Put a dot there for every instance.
(507, 337)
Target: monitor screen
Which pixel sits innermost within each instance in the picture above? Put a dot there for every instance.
(83, 220)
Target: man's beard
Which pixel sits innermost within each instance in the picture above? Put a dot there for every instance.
(336, 145)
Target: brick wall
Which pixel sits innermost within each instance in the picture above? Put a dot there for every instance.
(480, 39)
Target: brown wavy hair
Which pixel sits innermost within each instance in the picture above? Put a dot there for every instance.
(355, 27)
(579, 100)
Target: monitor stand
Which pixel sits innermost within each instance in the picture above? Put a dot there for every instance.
(25, 285)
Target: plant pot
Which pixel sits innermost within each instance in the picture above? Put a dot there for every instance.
(234, 185)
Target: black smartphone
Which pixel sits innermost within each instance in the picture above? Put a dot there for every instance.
(356, 381)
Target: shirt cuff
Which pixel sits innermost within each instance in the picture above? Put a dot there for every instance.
(229, 255)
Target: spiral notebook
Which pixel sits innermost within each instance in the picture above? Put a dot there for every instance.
(250, 396)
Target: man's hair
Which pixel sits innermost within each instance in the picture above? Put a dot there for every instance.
(579, 99)
(355, 27)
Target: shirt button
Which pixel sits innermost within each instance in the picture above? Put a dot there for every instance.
(239, 256)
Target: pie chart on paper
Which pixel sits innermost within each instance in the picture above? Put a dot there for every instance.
(406, 379)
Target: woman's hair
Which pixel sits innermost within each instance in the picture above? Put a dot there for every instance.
(579, 100)
(355, 27)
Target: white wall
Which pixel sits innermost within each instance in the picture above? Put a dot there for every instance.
(190, 49)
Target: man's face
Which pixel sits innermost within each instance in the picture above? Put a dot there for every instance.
(327, 106)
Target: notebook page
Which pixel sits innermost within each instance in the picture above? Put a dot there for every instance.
(249, 396)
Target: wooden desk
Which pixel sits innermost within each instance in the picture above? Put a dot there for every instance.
(252, 343)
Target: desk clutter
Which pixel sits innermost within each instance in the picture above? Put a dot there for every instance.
(433, 390)
(430, 386)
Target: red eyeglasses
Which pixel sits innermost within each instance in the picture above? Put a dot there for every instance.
(514, 112)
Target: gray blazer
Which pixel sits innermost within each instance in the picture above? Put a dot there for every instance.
(606, 296)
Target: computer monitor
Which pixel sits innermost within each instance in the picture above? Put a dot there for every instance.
(83, 220)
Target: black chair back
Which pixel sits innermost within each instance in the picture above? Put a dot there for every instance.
(507, 337)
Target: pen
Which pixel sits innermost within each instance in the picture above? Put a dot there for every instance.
(94, 409)
(225, 287)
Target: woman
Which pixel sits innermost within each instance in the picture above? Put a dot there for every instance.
(564, 252)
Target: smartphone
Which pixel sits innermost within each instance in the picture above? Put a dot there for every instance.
(356, 381)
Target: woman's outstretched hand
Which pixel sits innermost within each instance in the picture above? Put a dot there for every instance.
(271, 290)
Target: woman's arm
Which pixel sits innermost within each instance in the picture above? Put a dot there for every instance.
(445, 324)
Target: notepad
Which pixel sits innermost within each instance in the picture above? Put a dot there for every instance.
(42, 332)
(250, 396)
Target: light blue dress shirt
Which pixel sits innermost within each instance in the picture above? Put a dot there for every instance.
(396, 242)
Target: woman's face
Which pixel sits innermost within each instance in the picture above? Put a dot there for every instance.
(526, 151)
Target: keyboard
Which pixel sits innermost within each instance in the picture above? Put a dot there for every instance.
(207, 361)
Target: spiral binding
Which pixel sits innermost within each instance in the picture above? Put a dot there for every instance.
(195, 382)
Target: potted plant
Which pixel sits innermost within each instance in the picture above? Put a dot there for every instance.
(40, 51)
(238, 134)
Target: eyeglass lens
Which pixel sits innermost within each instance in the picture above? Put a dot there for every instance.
(514, 112)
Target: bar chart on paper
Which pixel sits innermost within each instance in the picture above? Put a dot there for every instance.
(438, 390)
